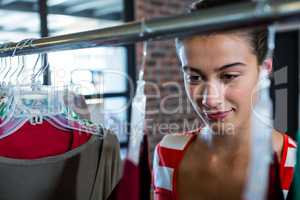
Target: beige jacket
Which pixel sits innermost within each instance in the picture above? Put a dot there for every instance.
(89, 172)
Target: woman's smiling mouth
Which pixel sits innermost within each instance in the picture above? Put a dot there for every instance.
(218, 115)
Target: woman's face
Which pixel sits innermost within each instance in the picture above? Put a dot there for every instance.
(221, 72)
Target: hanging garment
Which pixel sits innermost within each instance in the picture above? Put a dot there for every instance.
(89, 172)
(39, 141)
(170, 151)
(294, 193)
(135, 183)
(297, 178)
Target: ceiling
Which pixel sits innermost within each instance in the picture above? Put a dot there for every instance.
(20, 18)
(99, 9)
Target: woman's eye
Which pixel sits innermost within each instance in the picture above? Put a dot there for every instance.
(193, 78)
(229, 77)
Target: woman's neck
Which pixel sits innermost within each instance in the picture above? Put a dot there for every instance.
(235, 140)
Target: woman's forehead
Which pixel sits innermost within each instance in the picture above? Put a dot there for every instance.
(217, 45)
(227, 38)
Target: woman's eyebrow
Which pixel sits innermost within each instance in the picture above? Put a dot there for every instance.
(188, 68)
(230, 65)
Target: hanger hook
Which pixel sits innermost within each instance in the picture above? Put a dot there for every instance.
(144, 59)
(9, 69)
(262, 5)
(144, 30)
(5, 45)
(13, 54)
(271, 40)
(4, 68)
(22, 68)
(12, 74)
(25, 42)
(43, 68)
(3, 59)
(1, 63)
(34, 67)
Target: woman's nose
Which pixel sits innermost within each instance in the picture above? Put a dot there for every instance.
(212, 95)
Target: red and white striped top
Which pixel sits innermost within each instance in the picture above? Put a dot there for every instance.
(170, 151)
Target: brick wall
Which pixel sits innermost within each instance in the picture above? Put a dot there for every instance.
(164, 90)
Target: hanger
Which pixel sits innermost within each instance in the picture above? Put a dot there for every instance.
(8, 123)
(138, 109)
(6, 87)
(261, 153)
(35, 103)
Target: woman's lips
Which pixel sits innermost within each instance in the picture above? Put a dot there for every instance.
(218, 115)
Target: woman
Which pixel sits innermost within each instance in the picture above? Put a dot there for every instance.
(221, 71)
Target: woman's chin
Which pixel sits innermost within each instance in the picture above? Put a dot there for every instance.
(222, 128)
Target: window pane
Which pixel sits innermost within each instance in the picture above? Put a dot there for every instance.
(116, 116)
(11, 31)
(112, 113)
(64, 24)
(95, 70)
(66, 16)
(92, 71)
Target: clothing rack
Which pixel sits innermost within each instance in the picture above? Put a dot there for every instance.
(216, 19)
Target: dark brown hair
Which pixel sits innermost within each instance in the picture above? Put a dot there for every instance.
(258, 37)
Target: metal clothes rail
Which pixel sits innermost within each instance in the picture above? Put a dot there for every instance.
(216, 19)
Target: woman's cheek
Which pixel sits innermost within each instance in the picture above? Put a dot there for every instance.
(239, 97)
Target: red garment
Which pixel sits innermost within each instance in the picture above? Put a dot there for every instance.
(170, 151)
(136, 181)
(129, 185)
(39, 141)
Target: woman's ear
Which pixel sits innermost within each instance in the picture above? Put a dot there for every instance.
(268, 65)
